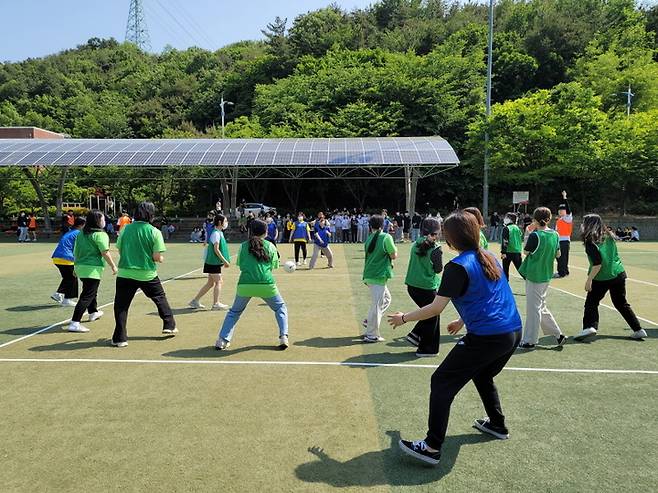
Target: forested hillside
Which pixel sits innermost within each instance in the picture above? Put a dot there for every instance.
(400, 67)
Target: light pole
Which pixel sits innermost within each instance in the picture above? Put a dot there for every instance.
(222, 104)
(629, 100)
(485, 181)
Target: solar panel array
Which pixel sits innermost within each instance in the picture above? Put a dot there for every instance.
(292, 153)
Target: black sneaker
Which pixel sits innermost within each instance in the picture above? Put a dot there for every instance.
(418, 450)
(561, 340)
(526, 345)
(485, 426)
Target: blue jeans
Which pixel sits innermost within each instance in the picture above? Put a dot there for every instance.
(415, 234)
(276, 303)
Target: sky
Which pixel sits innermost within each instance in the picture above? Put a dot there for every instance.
(37, 28)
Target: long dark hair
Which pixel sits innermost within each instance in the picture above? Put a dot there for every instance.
(462, 232)
(592, 229)
(430, 226)
(93, 221)
(478, 215)
(256, 243)
(376, 223)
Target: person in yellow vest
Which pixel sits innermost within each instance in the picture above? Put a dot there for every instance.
(564, 227)
(541, 249)
(606, 273)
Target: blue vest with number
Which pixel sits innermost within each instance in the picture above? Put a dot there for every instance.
(488, 307)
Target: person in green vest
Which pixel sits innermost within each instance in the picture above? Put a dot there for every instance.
(542, 248)
(378, 269)
(91, 253)
(511, 243)
(484, 243)
(256, 259)
(217, 257)
(140, 246)
(425, 264)
(606, 273)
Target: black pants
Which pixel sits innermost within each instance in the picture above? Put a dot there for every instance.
(300, 245)
(125, 292)
(353, 231)
(563, 260)
(87, 300)
(511, 258)
(346, 236)
(69, 285)
(617, 288)
(477, 358)
(426, 330)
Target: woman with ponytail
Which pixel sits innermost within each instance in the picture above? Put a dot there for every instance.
(475, 284)
(425, 264)
(541, 249)
(377, 270)
(256, 259)
(484, 243)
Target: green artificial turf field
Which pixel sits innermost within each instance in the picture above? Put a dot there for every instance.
(173, 414)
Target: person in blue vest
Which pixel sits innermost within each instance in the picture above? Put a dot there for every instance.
(301, 235)
(63, 259)
(475, 284)
(272, 230)
(321, 239)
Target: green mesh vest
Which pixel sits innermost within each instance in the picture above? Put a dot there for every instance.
(538, 266)
(611, 265)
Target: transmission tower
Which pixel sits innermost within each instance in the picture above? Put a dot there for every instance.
(136, 30)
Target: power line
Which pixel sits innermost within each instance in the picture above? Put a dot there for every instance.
(191, 21)
(173, 17)
(161, 21)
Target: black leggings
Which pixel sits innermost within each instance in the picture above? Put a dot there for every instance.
(125, 292)
(69, 285)
(87, 300)
(617, 288)
(477, 358)
(427, 331)
(511, 258)
(300, 245)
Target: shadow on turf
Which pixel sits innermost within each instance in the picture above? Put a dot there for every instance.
(384, 358)
(330, 342)
(399, 469)
(32, 308)
(100, 342)
(210, 351)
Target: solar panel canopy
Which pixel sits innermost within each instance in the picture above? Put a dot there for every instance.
(259, 153)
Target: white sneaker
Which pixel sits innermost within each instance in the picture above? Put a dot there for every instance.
(222, 344)
(76, 327)
(195, 305)
(170, 331)
(298, 264)
(304, 262)
(118, 344)
(372, 339)
(585, 333)
(58, 297)
(220, 306)
(639, 334)
(96, 315)
(283, 342)
(69, 302)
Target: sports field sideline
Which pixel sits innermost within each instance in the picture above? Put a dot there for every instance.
(173, 414)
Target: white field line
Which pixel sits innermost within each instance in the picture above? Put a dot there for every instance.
(639, 281)
(56, 324)
(301, 363)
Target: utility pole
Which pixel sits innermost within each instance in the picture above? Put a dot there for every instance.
(136, 30)
(485, 181)
(629, 101)
(222, 104)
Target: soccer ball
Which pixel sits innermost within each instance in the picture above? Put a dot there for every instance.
(290, 266)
